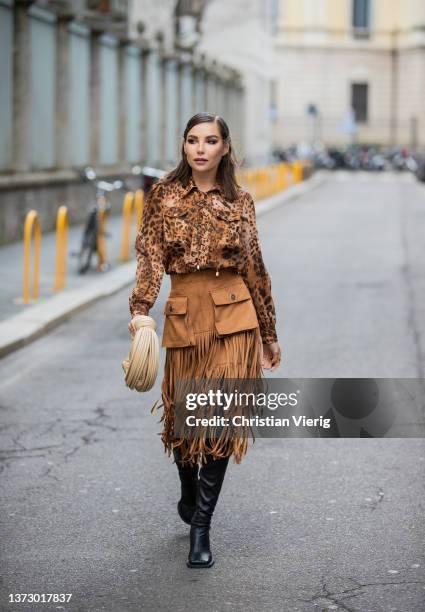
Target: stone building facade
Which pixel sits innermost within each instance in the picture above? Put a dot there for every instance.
(100, 83)
(336, 55)
(241, 34)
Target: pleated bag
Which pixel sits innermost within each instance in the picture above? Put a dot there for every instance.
(142, 365)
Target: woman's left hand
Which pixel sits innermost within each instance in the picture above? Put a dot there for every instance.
(271, 356)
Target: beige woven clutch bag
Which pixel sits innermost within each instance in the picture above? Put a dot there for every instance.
(142, 365)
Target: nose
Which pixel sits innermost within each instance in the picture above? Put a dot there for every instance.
(200, 148)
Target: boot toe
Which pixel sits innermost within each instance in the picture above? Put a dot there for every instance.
(200, 551)
(199, 564)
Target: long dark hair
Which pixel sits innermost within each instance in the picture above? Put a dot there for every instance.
(226, 171)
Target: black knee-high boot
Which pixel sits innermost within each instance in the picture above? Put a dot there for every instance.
(189, 483)
(211, 476)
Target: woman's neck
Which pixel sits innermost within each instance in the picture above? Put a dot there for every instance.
(204, 180)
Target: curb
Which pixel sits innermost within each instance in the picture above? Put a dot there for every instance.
(23, 328)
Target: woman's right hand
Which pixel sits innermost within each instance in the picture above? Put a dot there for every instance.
(131, 326)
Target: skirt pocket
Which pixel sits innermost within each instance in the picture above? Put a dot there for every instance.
(176, 326)
(234, 310)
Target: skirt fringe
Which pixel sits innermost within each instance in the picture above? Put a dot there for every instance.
(236, 355)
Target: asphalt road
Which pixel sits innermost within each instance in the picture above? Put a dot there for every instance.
(88, 495)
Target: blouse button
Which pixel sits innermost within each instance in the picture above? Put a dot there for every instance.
(232, 296)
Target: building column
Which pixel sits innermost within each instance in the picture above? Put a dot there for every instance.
(95, 100)
(163, 110)
(62, 94)
(170, 109)
(178, 128)
(242, 118)
(218, 95)
(227, 106)
(212, 93)
(236, 116)
(205, 90)
(153, 96)
(21, 87)
(199, 103)
(160, 66)
(185, 95)
(144, 102)
(194, 101)
(122, 104)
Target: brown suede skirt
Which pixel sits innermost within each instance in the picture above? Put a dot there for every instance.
(211, 331)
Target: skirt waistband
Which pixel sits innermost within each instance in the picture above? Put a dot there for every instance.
(203, 276)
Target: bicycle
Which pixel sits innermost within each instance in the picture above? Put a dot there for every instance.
(93, 234)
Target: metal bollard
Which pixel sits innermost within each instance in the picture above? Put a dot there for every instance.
(61, 248)
(126, 226)
(101, 241)
(139, 199)
(297, 169)
(31, 222)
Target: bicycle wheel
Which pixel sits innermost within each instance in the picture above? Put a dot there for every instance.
(84, 259)
(89, 246)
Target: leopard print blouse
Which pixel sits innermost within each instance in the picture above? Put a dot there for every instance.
(184, 229)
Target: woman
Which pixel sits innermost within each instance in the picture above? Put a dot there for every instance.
(199, 226)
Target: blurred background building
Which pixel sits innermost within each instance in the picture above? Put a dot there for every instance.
(105, 83)
(112, 83)
(351, 70)
(240, 33)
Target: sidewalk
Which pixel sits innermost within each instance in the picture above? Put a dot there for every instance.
(21, 323)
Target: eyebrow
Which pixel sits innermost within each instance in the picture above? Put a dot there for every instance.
(209, 136)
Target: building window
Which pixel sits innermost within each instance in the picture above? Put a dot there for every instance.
(359, 101)
(274, 17)
(361, 18)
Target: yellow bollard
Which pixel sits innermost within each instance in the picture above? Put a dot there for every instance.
(244, 179)
(272, 183)
(132, 202)
(61, 248)
(101, 241)
(249, 177)
(290, 176)
(138, 203)
(31, 221)
(251, 183)
(264, 175)
(126, 226)
(259, 183)
(283, 182)
(297, 170)
(266, 181)
(276, 178)
(279, 177)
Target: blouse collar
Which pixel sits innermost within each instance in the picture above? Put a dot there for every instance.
(192, 185)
